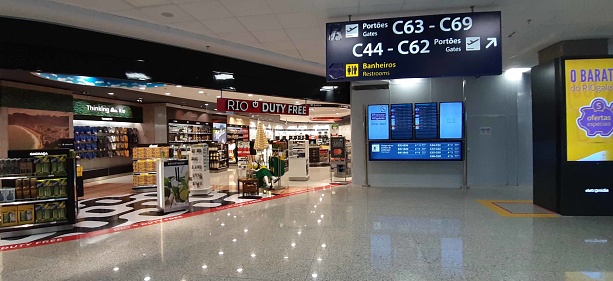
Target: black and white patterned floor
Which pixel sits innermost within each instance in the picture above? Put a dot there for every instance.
(116, 211)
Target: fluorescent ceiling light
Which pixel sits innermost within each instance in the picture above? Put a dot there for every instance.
(223, 75)
(206, 104)
(111, 94)
(137, 76)
(250, 95)
(328, 88)
(168, 94)
(200, 92)
(179, 86)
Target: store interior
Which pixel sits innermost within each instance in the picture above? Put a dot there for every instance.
(112, 123)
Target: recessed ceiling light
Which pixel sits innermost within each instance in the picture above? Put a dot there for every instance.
(206, 104)
(215, 109)
(250, 95)
(337, 113)
(259, 99)
(179, 86)
(111, 94)
(218, 96)
(200, 92)
(141, 88)
(168, 94)
(297, 102)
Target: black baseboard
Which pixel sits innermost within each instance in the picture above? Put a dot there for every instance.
(97, 173)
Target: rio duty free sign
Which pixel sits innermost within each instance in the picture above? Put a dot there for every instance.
(261, 107)
(415, 47)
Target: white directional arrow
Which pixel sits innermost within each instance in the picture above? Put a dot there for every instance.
(492, 41)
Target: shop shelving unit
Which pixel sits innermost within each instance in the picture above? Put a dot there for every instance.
(218, 156)
(49, 205)
(299, 160)
(145, 166)
(180, 132)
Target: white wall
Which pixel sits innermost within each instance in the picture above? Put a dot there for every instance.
(493, 160)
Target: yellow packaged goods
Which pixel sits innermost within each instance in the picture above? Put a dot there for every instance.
(151, 180)
(9, 215)
(157, 152)
(135, 180)
(148, 153)
(150, 166)
(142, 180)
(26, 214)
(135, 166)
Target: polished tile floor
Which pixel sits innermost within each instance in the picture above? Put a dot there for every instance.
(339, 233)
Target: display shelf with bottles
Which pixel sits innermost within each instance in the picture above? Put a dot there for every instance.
(144, 166)
(189, 132)
(218, 156)
(36, 187)
(237, 132)
(99, 142)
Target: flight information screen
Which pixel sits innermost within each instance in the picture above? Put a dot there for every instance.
(401, 121)
(426, 121)
(451, 120)
(406, 151)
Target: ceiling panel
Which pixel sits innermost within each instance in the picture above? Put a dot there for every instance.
(104, 6)
(167, 14)
(295, 20)
(271, 35)
(229, 25)
(147, 3)
(305, 33)
(244, 37)
(193, 27)
(260, 22)
(279, 45)
(247, 7)
(206, 10)
(285, 6)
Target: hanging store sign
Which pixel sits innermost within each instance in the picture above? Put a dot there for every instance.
(246, 106)
(415, 47)
(101, 111)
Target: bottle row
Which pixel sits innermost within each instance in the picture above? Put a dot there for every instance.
(38, 165)
(32, 189)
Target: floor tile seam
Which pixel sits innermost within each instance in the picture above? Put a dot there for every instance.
(56, 240)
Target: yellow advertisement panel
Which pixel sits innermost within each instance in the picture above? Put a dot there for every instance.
(589, 110)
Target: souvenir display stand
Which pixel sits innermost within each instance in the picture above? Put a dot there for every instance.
(37, 193)
(199, 177)
(338, 161)
(172, 185)
(299, 160)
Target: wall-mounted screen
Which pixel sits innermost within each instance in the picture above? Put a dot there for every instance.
(407, 151)
(378, 122)
(589, 110)
(451, 117)
(426, 121)
(401, 121)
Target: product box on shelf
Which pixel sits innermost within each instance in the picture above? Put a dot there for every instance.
(7, 194)
(26, 214)
(9, 215)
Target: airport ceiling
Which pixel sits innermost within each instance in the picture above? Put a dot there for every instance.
(291, 33)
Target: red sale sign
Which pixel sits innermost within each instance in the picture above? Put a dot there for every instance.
(261, 107)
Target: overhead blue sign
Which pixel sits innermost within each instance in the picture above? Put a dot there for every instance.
(425, 46)
(101, 82)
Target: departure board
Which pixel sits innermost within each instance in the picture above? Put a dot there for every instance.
(401, 121)
(406, 151)
(426, 121)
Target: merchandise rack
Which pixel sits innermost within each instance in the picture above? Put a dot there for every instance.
(299, 160)
(59, 216)
(189, 132)
(218, 157)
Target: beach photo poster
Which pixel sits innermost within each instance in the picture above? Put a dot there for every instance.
(589, 109)
(37, 129)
